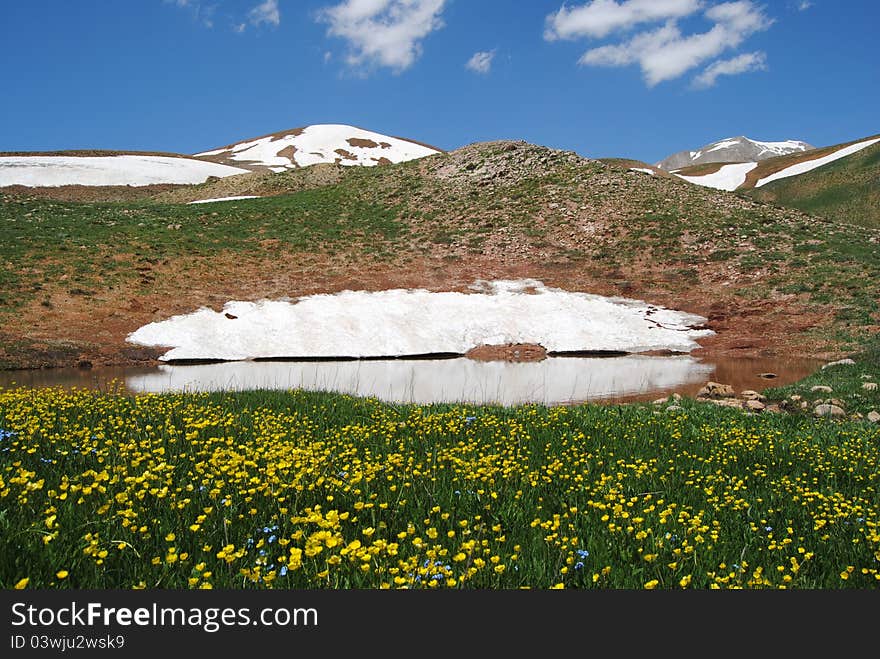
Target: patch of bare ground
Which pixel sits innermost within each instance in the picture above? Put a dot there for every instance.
(508, 352)
(703, 170)
(92, 193)
(360, 142)
(344, 155)
(93, 153)
(94, 327)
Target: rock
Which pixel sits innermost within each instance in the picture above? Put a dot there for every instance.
(829, 410)
(821, 388)
(661, 401)
(676, 396)
(767, 376)
(836, 401)
(874, 416)
(869, 386)
(796, 398)
(674, 408)
(724, 402)
(716, 390)
(749, 394)
(839, 362)
(755, 406)
(804, 405)
(509, 352)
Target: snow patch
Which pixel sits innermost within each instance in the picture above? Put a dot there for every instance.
(723, 145)
(54, 171)
(643, 170)
(211, 201)
(809, 165)
(405, 322)
(729, 177)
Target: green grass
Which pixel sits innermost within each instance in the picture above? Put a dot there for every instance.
(306, 490)
(95, 245)
(846, 381)
(845, 190)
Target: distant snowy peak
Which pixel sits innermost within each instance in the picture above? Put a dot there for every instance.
(320, 143)
(733, 149)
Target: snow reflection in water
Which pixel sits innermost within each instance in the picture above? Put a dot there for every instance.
(551, 381)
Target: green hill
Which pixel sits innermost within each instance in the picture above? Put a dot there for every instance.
(76, 278)
(846, 190)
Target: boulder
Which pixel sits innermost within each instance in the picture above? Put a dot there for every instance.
(755, 406)
(874, 416)
(749, 394)
(829, 411)
(839, 362)
(716, 390)
(869, 386)
(725, 402)
(821, 388)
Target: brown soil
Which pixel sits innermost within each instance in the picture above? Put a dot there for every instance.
(93, 328)
(510, 352)
(86, 153)
(288, 152)
(92, 193)
(357, 141)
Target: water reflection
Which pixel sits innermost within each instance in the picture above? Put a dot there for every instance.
(556, 380)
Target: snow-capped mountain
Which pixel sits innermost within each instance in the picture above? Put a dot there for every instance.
(733, 149)
(748, 175)
(319, 143)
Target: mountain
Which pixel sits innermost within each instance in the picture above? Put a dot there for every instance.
(846, 189)
(291, 149)
(756, 174)
(319, 143)
(733, 149)
(78, 278)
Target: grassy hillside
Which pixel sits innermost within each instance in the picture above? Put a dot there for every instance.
(76, 278)
(846, 190)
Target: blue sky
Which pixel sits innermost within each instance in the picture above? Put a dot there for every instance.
(628, 78)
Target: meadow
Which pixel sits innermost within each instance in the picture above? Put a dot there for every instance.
(326, 491)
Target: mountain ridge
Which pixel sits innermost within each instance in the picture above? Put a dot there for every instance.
(732, 150)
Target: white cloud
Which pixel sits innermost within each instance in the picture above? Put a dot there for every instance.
(601, 17)
(266, 12)
(383, 32)
(744, 63)
(665, 53)
(803, 6)
(202, 13)
(481, 62)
